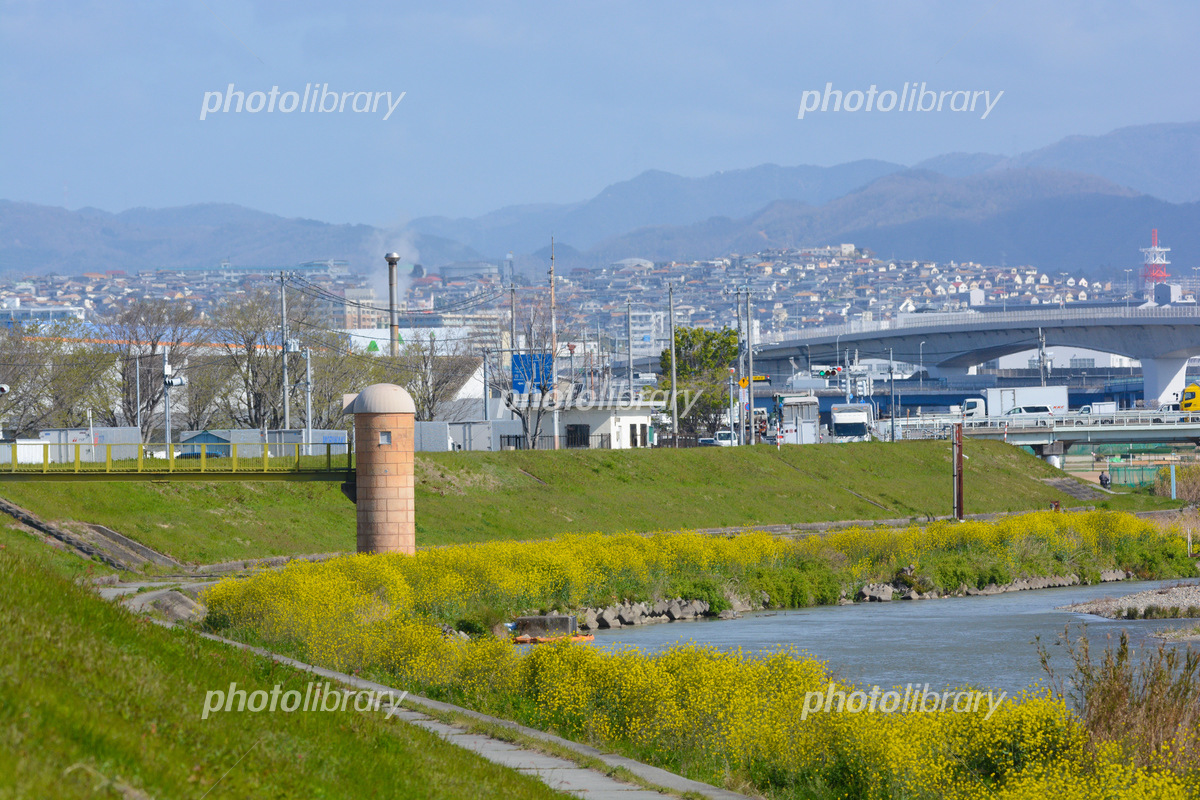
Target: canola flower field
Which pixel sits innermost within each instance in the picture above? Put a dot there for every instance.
(734, 718)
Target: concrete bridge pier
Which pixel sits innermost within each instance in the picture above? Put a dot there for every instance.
(1051, 453)
(1163, 380)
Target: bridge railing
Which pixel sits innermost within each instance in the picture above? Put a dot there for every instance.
(1041, 316)
(162, 458)
(935, 424)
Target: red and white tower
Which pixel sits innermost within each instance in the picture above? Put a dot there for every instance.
(1154, 265)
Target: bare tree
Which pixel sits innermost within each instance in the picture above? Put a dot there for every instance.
(51, 370)
(433, 372)
(533, 395)
(139, 333)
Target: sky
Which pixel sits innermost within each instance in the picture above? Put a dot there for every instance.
(514, 103)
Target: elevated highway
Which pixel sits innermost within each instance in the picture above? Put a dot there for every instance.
(1162, 338)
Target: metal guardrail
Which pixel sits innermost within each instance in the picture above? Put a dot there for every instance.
(254, 461)
(1140, 417)
(971, 318)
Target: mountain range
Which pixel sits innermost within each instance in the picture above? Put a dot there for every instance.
(1083, 203)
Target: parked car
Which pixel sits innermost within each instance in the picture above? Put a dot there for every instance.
(706, 441)
(726, 439)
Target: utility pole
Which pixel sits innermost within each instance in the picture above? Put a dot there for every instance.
(956, 460)
(393, 325)
(749, 369)
(1042, 356)
(674, 372)
(137, 392)
(629, 341)
(486, 411)
(168, 382)
(553, 346)
(307, 401)
(892, 382)
(737, 304)
(512, 317)
(731, 402)
(167, 397)
(283, 351)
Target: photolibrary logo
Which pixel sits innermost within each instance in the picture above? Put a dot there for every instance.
(317, 99)
(316, 697)
(910, 98)
(914, 700)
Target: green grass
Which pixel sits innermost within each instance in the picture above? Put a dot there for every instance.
(463, 497)
(48, 554)
(86, 683)
(204, 522)
(471, 497)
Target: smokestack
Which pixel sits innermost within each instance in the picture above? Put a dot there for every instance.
(394, 328)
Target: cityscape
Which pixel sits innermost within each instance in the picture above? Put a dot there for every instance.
(767, 401)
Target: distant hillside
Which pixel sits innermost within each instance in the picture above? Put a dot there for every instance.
(1073, 204)
(653, 198)
(42, 239)
(1048, 218)
(1159, 160)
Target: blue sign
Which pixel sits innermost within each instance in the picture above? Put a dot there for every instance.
(531, 372)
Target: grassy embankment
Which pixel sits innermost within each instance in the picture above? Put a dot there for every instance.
(474, 497)
(98, 703)
(734, 718)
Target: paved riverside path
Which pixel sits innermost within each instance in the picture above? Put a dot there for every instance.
(555, 771)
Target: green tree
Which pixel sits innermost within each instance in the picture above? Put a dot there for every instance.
(704, 358)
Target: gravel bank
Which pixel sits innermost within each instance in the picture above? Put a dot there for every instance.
(1184, 597)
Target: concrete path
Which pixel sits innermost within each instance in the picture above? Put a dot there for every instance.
(555, 771)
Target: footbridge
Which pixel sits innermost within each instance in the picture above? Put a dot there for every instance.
(1162, 338)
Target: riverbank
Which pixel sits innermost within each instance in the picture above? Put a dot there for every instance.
(732, 717)
(1172, 602)
(517, 495)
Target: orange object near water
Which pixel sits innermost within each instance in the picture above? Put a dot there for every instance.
(579, 637)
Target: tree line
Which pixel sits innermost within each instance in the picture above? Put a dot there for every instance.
(232, 360)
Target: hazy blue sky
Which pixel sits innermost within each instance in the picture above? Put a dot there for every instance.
(543, 102)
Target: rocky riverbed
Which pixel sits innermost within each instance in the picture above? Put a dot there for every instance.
(1182, 600)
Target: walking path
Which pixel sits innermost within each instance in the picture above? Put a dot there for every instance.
(557, 772)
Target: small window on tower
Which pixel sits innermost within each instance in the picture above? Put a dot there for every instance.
(385, 437)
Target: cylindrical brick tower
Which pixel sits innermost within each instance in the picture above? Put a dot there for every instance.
(384, 417)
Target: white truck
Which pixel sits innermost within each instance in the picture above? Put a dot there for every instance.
(1002, 401)
(1105, 407)
(850, 422)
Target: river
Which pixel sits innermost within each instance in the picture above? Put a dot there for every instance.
(985, 642)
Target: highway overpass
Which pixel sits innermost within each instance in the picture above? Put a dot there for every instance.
(1162, 338)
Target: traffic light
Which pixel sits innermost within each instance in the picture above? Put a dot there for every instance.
(828, 372)
(3, 388)
(176, 381)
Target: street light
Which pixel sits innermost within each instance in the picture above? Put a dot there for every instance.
(922, 372)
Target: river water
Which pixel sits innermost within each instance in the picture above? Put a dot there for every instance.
(985, 642)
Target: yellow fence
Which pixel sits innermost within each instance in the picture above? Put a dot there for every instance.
(249, 461)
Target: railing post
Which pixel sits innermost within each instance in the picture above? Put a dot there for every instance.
(170, 458)
(233, 453)
(14, 457)
(203, 457)
(46, 457)
(266, 456)
(141, 449)
(77, 456)
(297, 446)
(328, 457)
(107, 458)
